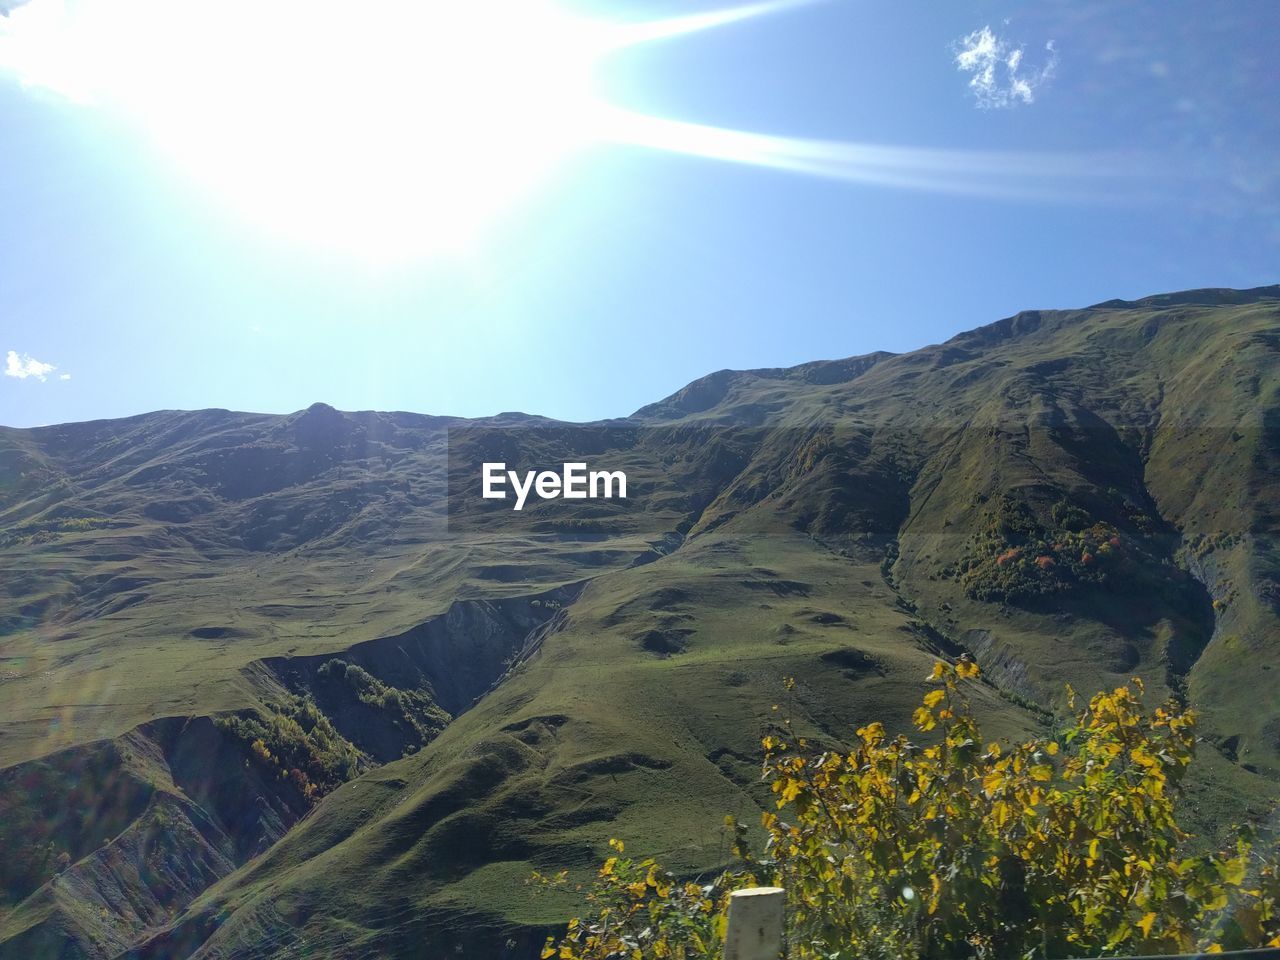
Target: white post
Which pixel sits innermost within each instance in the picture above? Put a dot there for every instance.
(755, 924)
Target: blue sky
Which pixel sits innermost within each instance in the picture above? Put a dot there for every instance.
(1130, 150)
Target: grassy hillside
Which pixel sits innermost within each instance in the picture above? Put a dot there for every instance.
(1071, 496)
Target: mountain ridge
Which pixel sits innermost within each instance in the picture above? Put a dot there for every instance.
(1073, 496)
(857, 364)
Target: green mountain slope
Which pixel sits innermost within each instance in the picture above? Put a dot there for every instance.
(1072, 496)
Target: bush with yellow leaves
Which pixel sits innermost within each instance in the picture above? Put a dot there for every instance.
(641, 911)
(1065, 845)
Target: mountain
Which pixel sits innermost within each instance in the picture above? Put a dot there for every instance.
(273, 685)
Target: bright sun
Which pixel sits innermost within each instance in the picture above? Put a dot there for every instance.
(386, 127)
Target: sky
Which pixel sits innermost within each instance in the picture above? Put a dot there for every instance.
(575, 210)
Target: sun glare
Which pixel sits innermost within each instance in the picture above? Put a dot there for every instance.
(393, 129)
(389, 127)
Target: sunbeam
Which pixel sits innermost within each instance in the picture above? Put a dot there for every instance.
(630, 34)
(1045, 176)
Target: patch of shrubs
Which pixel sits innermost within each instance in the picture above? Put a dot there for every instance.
(413, 709)
(48, 531)
(1015, 557)
(297, 743)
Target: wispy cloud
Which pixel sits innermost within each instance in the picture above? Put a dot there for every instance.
(24, 366)
(998, 75)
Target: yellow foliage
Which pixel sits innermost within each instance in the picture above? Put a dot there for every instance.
(1056, 847)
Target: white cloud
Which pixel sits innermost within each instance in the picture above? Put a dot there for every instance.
(996, 66)
(27, 366)
(64, 376)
